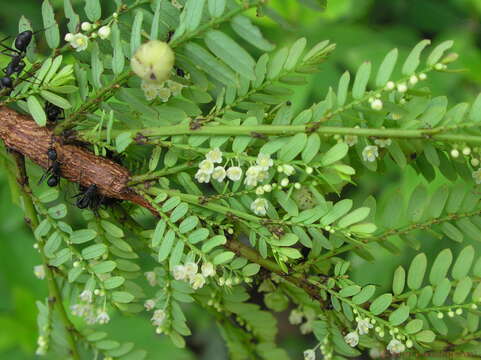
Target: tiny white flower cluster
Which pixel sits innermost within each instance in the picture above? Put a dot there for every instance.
(163, 90)
(42, 346)
(158, 317)
(90, 313)
(39, 271)
(80, 42)
(297, 316)
(370, 153)
(363, 326)
(383, 143)
(474, 161)
(189, 272)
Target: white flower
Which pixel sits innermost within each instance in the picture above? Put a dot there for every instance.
(103, 318)
(68, 37)
(149, 304)
(295, 317)
(306, 328)
(86, 296)
(455, 153)
(309, 355)
(202, 176)
(413, 80)
(179, 272)
(390, 85)
(79, 42)
(158, 317)
(175, 87)
(395, 347)
(350, 140)
(264, 161)
(214, 156)
(477, 176)
(263, 175)
(191, 269)
(260, 191)
(352, 339)
(288, 169)
(234, 173)
(164, 94)
(402, 88)
(206, 166)
(219, 174)
(151, 90)
(259, 206)
(86, 26)
(208, 269)
(383, 143)
(363, 326)
(151, 278)
(376, 104)
(474, 162)
(370, 153)
(284, 182)
(104, 32)
(252, 175)
(39, 272)
(197, 281)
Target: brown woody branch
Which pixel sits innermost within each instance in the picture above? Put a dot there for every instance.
(20, 133)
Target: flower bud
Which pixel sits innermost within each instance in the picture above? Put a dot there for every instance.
(86, 26)
(104, 32)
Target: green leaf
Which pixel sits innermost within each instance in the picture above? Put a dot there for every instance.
(399, 281)
(52, 33)
(361, 80)
(251, 269)
(122, 141)
(216, 8)
(188, 224)
(349, 291)
(387, 66)
(339, 209)
(158, 233)
(381, 304)
(122, 297)
(462, 290)
(438, 52)
(290, 253)
(231, 53)
(343, 88)
(244, 28)
(277, 63)
(426, 336)
(70, 14)
(463, 263)
(440, 266)
(412, 61)
(416, 271)
(452, 232)
(112, 229)
(293, 148)
(55, 99)
(414, 326)
(223, 257)
(198, 235)
(295, 53)
(441, 292)
(176, 255)
(312, 148)
(364, 295)
(334, 154)
(93, 10)
(82, 236)
(94, 251)
(36, 110)
(354, 217)
(475, 112)
(154, 29)
(104, 267)
(193, 14)
(400, 315)
(179, 212)
(212, 243)
(417, 203)
(166, 246)
(118, 59)
(136, 34)
(209, 64)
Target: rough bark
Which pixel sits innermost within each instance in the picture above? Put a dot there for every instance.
(20, 133)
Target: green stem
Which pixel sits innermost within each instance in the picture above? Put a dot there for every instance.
(286, 130)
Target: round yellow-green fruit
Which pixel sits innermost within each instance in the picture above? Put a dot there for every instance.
(153, 61)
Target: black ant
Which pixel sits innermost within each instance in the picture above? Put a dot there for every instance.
(53, 112)
(53, 172)
(88, 197)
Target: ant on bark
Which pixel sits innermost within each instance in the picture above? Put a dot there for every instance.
(53, 172)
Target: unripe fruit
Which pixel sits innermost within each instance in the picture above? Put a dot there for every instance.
(153, 61)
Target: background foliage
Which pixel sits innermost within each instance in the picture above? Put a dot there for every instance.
(363, 29)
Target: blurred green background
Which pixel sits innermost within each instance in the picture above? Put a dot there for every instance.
(363, 30)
